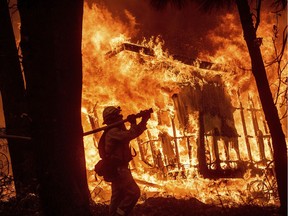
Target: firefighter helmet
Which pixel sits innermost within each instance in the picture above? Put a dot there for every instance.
(110, 113)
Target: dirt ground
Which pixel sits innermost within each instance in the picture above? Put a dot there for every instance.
(158, 206)
(190, 207)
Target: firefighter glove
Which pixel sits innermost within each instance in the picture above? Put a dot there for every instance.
(131, 118)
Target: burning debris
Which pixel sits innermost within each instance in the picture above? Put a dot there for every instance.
(131, 47)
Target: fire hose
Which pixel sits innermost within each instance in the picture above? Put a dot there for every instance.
(138, 115)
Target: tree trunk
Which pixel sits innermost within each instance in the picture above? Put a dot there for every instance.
(270, 110)
(12, 90)
(51, 35)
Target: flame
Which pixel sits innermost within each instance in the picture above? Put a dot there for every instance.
(150, 78)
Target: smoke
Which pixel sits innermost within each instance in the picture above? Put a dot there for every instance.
(183, 31)
(189, 32)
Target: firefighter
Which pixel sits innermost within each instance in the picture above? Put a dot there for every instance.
(125, 191)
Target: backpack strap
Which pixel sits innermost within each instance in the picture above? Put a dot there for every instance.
(101, 145)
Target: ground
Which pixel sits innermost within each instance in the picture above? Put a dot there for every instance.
(157, 206)
(190, 207)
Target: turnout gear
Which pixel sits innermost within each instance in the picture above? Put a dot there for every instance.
(114, 149)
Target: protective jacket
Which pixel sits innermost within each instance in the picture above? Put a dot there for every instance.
(117, 142)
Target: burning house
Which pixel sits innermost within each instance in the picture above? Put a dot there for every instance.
(205, 99)
(196, 131)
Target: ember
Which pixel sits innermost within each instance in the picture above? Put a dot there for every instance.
(207, 138)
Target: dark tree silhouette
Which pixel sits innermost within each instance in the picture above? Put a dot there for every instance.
(266, 98)
(259, 72)
(51, 34)
(13, 95)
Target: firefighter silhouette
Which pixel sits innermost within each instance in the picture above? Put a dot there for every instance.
(117, 153)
